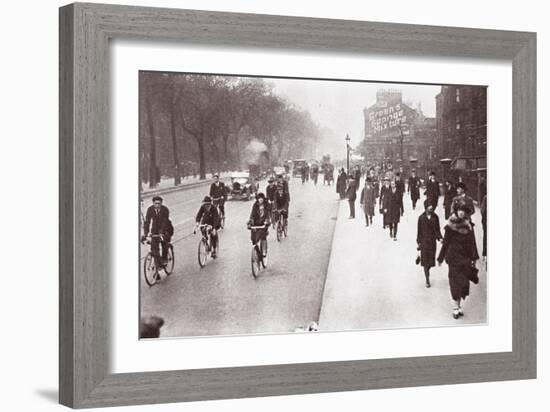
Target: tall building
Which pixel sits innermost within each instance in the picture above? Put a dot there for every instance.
(461, 113)
(396, 133)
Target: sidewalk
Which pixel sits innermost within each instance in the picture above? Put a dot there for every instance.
(373, 282)
(166, 184)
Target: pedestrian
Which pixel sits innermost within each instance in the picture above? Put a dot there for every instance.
(459, 250)
(414, 188)
(351, 194)
(384, 190)
(368, 201)
(462, 198)
(390, 202)
(357, 176)
(432, 190)
(427, 234)
(450, 193)
(484, 225)
(341, 183)
(400, 185)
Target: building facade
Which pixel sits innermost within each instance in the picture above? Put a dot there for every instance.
(461, 113)
(397, 135)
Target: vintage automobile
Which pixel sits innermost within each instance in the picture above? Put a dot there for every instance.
(280, 170)
(243, 186)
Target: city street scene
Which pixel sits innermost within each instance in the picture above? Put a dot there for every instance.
(283, 205)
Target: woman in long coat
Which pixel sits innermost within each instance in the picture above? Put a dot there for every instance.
(459, 250)
(390, 203)
(341, 183)
(427, 234)
(368, 201)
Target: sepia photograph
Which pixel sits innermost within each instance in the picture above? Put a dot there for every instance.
(276, 205)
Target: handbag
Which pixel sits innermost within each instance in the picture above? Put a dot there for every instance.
(473, 275)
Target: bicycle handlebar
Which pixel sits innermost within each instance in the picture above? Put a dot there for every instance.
(257, 227)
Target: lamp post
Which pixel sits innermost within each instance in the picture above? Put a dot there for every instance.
(347, 151)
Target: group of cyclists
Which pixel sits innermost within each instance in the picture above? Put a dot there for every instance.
(268, 209)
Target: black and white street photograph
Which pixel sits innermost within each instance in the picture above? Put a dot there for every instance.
(280, 205)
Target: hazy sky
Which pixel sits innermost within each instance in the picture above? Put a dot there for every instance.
(338, 105)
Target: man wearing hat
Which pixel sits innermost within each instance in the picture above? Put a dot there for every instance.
(218, 194)
(384, 191)
(351, 194)
(414, 188)
(208, 215)
(157, 222)
(432, 190)
(462, 199)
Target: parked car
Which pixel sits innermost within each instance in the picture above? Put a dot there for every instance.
(243, 186)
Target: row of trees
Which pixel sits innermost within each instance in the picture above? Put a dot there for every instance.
(216, 123)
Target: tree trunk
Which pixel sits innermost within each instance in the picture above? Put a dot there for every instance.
(153, 150)
(202, 162)
(177, 174)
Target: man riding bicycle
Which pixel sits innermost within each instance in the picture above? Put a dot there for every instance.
(157, 223)
(259, 216)
(280, 204)
(218, 194)
(208, 215)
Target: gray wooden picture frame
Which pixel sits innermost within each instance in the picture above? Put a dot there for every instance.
(85, 31)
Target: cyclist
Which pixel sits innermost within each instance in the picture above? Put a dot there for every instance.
(270, 189)
(259, 216)
(157, 222)
(280, 204)
(282, 181)
(208, 215)
(218, 193)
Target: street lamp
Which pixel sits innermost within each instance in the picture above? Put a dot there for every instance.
(347, 151)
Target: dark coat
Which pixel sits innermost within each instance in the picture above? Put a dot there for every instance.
(270, 191)
(459, 243)
(257, 218)
(341, 183)
(376, 186)
(157, 223)
(432, 192)
(463, 199)
(280, 201)
(208, 217)
(428, 232)
(390, 203)
(368, 199)
(414, 187)
(400, 185)
(351, 191)
(383, 190)
(218, 190)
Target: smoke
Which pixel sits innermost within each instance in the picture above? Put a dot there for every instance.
(253, 151)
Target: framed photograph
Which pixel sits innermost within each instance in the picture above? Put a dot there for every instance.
(257, 205)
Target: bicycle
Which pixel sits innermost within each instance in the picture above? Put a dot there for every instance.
(282, 225)
(153, 262)
(217, 203)
(205, 244)
(258, 259)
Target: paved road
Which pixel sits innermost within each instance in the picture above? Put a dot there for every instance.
(378, 285)
(223, 298)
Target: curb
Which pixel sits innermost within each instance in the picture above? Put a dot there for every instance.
(152, 193)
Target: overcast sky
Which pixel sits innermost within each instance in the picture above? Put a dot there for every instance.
(338, 105)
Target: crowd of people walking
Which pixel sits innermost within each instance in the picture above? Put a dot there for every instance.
(455, 233)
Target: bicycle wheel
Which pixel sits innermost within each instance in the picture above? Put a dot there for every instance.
(202, 253)
(149, 269)
(169, 267)
(263, 249)
(285, 227)
(255, 262)
(279, 231)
